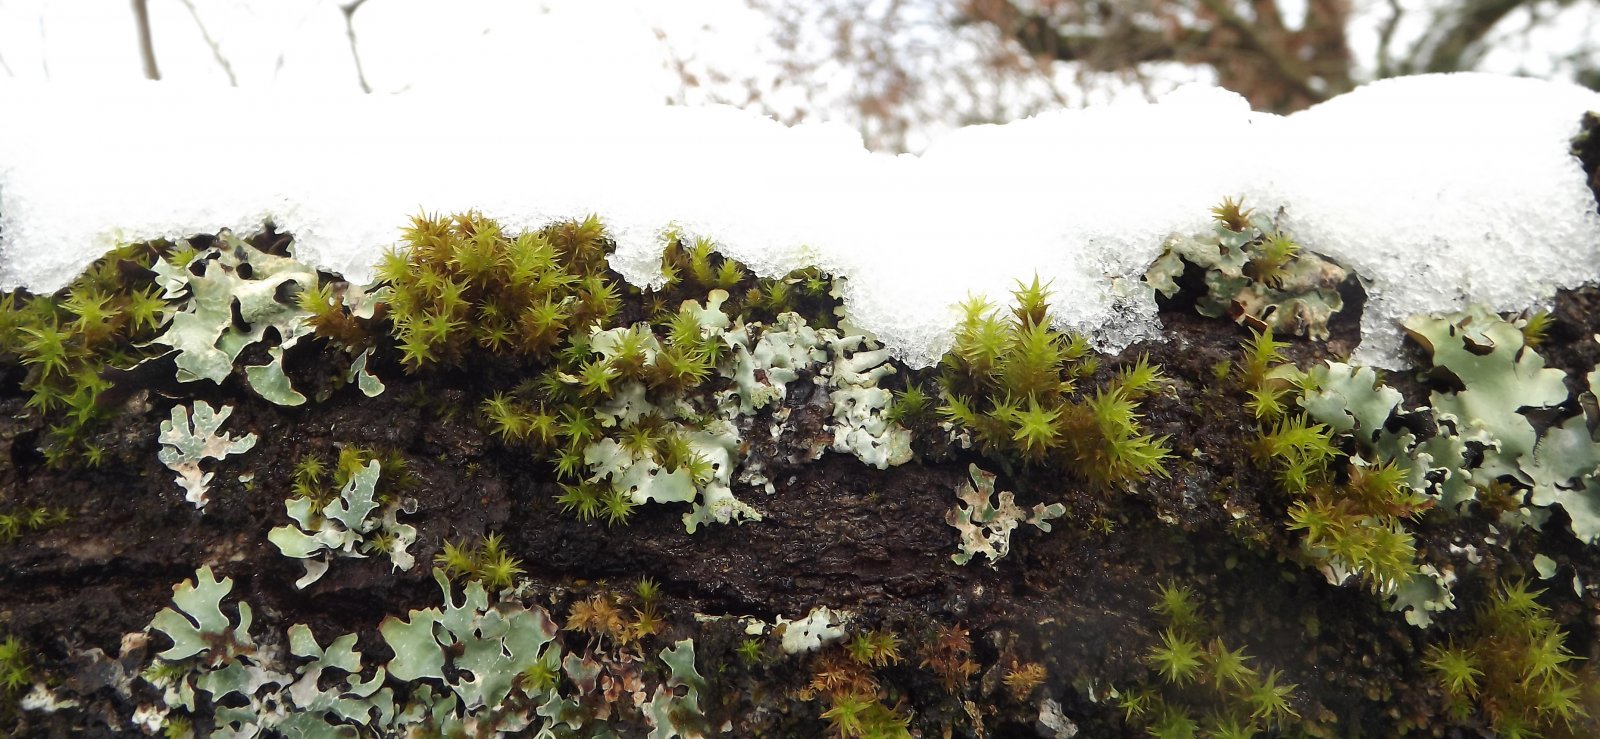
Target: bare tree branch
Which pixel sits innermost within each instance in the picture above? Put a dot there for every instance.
(216, 50)
(147, 48)
(1385, 66)
(903, 65)
(349, 11)
(1288, 69)
(1450, 50)
(1276, 67)
(1039, 37)
(1269, 16)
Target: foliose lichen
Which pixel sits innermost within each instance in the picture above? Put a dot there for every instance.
(186, 443)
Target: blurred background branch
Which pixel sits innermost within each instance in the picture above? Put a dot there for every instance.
(147, 46)
(898, 71)
(902, 65)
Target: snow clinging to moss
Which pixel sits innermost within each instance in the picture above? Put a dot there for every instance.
(1437, 190)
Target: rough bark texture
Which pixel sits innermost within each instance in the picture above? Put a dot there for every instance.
(836, 532)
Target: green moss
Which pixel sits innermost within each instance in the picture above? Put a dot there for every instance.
(1351, 513)
(1012, 385)
(487, 563)
(18, 522)
(68, 341)
(459, 283)
(693, 268)
(1199, 686)
(857, 716)
(16, 672)
(1512, 667)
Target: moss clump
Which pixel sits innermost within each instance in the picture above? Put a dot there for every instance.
(843, 677)
(1352, 513)
(68, 341)
(1512, 667)
(1019, 388)
(15, 671)
(486, 562)
(693, 268)
(946, 650)
(19, 521)
(1200, 687)
(461, 281)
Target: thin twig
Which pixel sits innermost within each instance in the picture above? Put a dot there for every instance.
(216, 51)
(350, 33)
(1386, 36)
(147, 48)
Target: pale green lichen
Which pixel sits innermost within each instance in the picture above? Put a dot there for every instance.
(1500, 378)
(491, 645)
(369, 383)
(234, 276)
(1476, 434)
(219, 652)
(1563, 472)
(231, 295)
(860, 406)
(782, 352)
(674, 716)
(459, 668)
(185, 445)
(342, 528)
(761, 364)
(1349, 399)
(1424, 594)
(1254, 272)
(822, 625)
(1355, 401)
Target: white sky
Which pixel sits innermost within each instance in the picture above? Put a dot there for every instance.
(599, 50)
(505, 47)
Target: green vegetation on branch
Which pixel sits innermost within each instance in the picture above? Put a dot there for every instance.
(1199, 686)
(1254, 273)
(69, 341)
(1024, 392)
(1513, 667)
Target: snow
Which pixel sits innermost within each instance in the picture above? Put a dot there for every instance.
(1443, 191)
(1438, 190)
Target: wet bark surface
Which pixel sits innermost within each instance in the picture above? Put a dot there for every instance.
(834, 532)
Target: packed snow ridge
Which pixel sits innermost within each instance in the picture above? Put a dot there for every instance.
(1437, 190)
